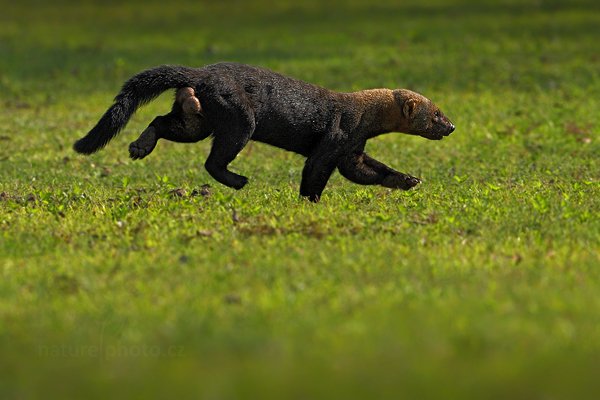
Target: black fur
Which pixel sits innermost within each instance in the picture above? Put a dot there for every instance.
(136, 92)
(242, 103)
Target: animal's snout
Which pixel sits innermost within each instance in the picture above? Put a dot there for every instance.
(451, 128)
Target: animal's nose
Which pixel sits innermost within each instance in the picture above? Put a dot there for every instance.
(452, 127)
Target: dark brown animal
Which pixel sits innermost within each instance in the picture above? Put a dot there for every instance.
(235, 103)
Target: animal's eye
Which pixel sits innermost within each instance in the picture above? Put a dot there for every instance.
(437, 114)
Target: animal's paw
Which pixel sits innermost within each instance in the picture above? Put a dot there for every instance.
(139, 149)
(400, 181)
(314, 198)
(144, 144)
(239, 182)
(311, 196)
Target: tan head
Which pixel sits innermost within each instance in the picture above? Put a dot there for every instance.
(421, 116)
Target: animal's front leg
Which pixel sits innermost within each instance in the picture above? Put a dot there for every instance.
(317, 170)
(360, 168)
(400, 181)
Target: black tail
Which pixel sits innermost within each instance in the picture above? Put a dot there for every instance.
(137, 91)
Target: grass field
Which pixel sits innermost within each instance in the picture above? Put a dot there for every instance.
(122, 279)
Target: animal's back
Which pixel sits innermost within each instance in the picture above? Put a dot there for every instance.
(284, 108)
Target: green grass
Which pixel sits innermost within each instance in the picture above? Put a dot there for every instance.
(484, 282)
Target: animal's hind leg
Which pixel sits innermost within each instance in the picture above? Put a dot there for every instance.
(224, 150)
(144, 145)
(360, 168)
(174, 127)
(186, 129)
(232, 120)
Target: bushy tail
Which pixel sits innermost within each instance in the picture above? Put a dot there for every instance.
(137, 91)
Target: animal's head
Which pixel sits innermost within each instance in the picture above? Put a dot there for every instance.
(421, 116)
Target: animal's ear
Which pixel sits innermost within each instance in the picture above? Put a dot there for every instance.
(409, 108)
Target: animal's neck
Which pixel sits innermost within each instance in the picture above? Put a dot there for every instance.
(379, 110)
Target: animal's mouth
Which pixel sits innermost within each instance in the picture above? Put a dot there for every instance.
(447, 132)
(436, 136)
(440, 135)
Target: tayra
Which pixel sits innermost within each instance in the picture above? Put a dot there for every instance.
(235, 103)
